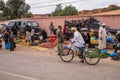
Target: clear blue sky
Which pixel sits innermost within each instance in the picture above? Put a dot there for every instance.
(39, 6)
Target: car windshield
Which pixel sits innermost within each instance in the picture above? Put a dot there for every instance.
(11, 23)
(94, 26)
(32, 23)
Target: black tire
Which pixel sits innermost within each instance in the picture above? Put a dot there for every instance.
(66, 55)
(90, 55)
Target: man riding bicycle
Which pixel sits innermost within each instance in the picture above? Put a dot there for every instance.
(78, 43)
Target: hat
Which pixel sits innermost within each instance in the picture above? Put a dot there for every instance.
(103, 24)
(74, 28)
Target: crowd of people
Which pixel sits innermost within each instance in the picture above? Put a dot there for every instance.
(77, 39)
(9, 36)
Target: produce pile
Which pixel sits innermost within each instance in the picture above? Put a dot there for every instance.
(42, 46)
(104, 55)
(92, 53)
(17, 41)
(48, 45)
(51, 45)
(39, 48)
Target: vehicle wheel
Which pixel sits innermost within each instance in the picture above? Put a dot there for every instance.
(66, 55)
(92, 56)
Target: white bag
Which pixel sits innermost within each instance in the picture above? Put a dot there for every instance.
(41, 37)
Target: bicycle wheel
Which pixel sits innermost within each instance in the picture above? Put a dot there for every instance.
(66, 55)
(92, 56)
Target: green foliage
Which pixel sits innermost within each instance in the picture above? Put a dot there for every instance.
(67, 11)
(94, 54)
(113, 7)
(27, 15)
(2, 4)
(15, 9)
(58, 10)
(104, 55)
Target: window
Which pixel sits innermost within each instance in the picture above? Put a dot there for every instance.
(19, 23)
(33, 24)
(11, 23)
(94, 26)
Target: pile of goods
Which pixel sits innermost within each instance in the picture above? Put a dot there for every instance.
(115, 56)
(39, 48)
(94, 40)
(17, 40)
(42, 46)
(110, 43)
(52, 38)
(48, 45)
(103, 53)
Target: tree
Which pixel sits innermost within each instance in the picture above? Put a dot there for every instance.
(70, 10)
(27, 15)
(67, 11)
(58, 10)
(16, 9)
(2, 5)
(113, 7)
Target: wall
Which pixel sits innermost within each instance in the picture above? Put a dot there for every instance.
(109, 20)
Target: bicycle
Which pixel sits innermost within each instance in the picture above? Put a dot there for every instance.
(90, 56)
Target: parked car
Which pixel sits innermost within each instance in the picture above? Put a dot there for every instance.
(22, 26)
(113, 31)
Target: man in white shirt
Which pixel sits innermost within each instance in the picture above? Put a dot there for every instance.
(78, 43)
(102, 37)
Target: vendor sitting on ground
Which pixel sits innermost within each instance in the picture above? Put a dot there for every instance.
(117, 36)
(44, 35)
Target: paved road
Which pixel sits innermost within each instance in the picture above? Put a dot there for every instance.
(30, 64)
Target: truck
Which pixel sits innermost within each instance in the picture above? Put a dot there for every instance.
(89, 25)
(84, 25)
